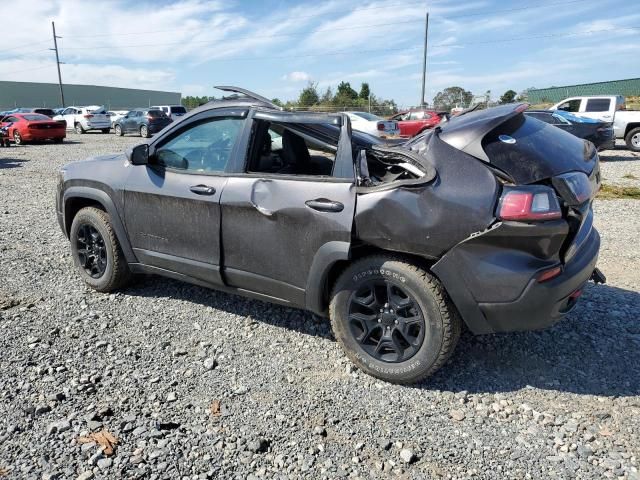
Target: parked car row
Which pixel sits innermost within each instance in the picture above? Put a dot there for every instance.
(36, 124)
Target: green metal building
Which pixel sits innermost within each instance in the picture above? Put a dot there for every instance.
(628, 87)
(29, 94)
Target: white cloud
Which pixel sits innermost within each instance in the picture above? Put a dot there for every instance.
(297, 77)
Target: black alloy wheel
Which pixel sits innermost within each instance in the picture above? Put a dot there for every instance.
(92, 252)
(386, 321)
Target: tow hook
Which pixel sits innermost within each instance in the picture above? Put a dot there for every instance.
(598, 277)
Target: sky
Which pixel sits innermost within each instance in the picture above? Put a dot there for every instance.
(276, 47)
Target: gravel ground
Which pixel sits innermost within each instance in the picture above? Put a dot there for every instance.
(198, 384)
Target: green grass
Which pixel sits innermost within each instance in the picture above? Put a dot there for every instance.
(612, 192)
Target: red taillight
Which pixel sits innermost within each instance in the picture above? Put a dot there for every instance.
(546, 275)
(529, 203)
(380, 126)
(88, 115)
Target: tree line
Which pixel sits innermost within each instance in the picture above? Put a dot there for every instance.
(346, 97)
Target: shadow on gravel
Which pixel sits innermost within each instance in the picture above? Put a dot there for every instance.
(10, 162)
(593, 351)
(264, 312)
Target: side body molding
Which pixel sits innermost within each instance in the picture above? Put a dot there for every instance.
(316, 292)
(106, 201)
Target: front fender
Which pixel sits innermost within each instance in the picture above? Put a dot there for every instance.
(89, 193)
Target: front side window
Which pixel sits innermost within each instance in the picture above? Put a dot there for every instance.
(417, 116)
(570, 106)
(201, 147)
(598, 105)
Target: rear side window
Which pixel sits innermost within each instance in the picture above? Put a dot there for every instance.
(598, 105)
(570, 106)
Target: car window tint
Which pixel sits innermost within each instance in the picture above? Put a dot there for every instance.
(570, 106)
(598, 105)
(290, 149)
(204, 147)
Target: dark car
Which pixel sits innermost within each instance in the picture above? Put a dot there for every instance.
(599, 133)
(143, 121)
(486, 219)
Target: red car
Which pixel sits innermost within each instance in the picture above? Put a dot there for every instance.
(413, 122)
(29, 127)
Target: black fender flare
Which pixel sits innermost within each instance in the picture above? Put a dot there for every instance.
(103, 199)
(324, 259)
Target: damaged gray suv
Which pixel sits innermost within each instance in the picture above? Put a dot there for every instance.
(485, 220)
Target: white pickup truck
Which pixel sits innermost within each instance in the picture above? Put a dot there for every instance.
(608, 108)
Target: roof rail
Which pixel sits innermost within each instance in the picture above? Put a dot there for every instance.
(249, 94)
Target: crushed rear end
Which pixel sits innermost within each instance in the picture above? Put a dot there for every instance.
(507, 220)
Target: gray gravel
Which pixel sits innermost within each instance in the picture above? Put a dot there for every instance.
(198, 384)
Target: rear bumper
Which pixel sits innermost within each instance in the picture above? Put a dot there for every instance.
(495, 289)
(542, 304)
(44, 134)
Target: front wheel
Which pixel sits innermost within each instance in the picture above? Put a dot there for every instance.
(144, 131)
(633, 140)
(118, 130)
(78, 128)
(393, 319)
(17, 138)
(96, 251)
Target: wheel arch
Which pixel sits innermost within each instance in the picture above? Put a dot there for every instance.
(78, 197)
(629, 127)
(331, 260)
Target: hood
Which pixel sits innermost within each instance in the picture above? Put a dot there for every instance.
(526, 149)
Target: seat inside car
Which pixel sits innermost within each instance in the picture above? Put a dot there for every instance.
(295, 154)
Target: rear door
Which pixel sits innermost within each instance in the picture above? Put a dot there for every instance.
(278, 218)
(172, 205)
(602, 108)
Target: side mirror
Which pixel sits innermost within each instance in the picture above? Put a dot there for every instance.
(138, 155)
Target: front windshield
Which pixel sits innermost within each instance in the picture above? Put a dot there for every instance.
(574, 118)
(367, 116)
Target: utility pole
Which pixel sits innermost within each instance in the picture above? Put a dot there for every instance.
(424, 60)
(55, 45)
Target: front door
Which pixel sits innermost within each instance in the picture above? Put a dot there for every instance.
(172, 205)
(295, 196)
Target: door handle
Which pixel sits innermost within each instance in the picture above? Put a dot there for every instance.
(324, 205)
(203, 190)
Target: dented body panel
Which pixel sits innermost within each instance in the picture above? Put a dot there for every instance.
(429, 219)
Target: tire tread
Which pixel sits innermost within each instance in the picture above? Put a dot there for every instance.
(451, 322)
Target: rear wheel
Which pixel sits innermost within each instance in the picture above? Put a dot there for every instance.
(118, 130)
(633, 139)
(144, 131)
(78, 128)
(17, 138)
(393, 319)
(96, 251)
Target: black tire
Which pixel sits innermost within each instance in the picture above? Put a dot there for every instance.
(58, 140)
(106, 130)
(632, 139)
(116, 273)
(17, 138)
(440, 320)
(144, 131)
(118, 130)
(78, 129)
